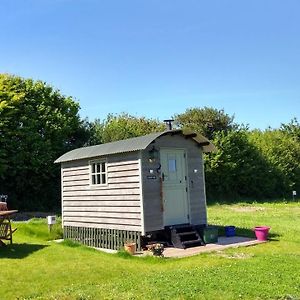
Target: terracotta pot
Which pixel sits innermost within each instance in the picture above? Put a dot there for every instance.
(130, 247)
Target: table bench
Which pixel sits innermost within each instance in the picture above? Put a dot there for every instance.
(6, 231)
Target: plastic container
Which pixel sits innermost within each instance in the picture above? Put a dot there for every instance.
(262, 232)
(210, 234)
(230, 231)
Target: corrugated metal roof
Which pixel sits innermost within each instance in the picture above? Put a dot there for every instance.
(129, 145)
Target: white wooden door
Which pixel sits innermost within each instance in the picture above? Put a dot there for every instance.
(174, 186)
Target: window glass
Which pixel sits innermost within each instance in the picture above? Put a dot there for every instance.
(103, 178)
(98, 173)
(172, 165)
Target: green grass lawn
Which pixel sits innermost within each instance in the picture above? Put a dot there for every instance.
(34, 268)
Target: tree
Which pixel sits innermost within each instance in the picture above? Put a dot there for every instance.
(207, 121)
(282, 151)
(37, 125)
(292, 128)
(96, 132)
(123, 126)
(237, 170)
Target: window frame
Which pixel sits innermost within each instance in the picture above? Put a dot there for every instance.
(91, 173)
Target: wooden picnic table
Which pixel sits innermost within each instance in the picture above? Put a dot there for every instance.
(6, 231)
(7, 213)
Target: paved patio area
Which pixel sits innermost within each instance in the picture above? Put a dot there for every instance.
(223, 243)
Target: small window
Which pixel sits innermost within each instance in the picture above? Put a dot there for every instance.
(98, 172)
(172, 165)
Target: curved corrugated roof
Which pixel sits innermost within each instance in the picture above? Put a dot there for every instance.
(130, 145)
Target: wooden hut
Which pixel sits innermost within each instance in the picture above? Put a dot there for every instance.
(125, 190)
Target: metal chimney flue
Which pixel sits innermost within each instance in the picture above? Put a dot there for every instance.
(169, 124)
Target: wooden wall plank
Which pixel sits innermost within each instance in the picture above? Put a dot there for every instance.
(128, 209)
(103, 225)
(101, 198)
(75, 172)
(114, 203)
(102, 192)
(104, 214)
(77, 169)
(122, 163)
(108, 221)
(128, 185)
(123, 179)
(123, 168)
(123, 174)
(86, 187)
(116, 221)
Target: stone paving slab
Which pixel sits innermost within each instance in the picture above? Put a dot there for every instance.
(223, 243)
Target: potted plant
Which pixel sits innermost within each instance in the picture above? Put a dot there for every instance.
(156, 249)
(130, 247)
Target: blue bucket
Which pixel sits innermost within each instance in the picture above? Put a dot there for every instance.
(230, 231)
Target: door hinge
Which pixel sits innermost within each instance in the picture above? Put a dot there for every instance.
(186, 189)
(188, 216)
(184, 155)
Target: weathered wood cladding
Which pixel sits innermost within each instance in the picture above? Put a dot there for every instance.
(102, 237)
(153, 207)
(115, 205)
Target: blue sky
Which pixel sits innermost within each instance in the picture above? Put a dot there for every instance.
(156, 58)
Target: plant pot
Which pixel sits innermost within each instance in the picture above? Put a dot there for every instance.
(229, 231)
(261, 232)
(130, 248)
(210, 234)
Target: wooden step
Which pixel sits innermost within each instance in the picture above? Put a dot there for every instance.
(183, 229)
(184, 236)
(186, 233)
(191, 242)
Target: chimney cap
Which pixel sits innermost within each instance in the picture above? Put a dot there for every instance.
(169, 123)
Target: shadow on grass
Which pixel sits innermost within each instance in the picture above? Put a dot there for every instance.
(19, 251)
(234, 201)
(246, 232)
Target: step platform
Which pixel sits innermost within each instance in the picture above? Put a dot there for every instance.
(185, 236)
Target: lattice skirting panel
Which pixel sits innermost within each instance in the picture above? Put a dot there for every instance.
(102, 237)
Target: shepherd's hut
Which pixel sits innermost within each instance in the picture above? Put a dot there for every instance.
(134, 188)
